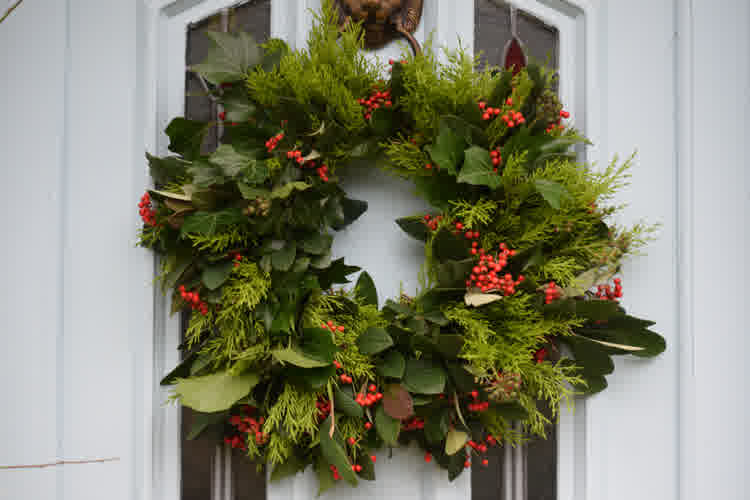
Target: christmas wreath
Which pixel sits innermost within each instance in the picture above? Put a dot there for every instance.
(518, 309)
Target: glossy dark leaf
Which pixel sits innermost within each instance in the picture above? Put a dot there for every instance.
(386, 426)
(365, 290)
(186, 137)
(448, 150)
(392, 365)
(374, 340)
(424, 376)
(414, 226)
(478, 169)
(283, 259)
(346, 404)
(448, 246)
(215, 275)
(334, 452)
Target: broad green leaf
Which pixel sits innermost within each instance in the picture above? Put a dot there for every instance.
(251, 192)
(373, 341)
(318, 344)
(552, 192)
(229, 160)
(288, 468)
(229, 58)
(346, 404)
(472, 134)
(455, 441)
(205, 174)
(283, 259)
(208, 223)
(448, 246)
(595, 309)
(386, 426)
(594, 384)
(186, 137)
(275, 50)
(180, 371)
(414, 226)
(478, 169)
(336, 273)
(215, 275)
(353, 209)
(317, 244)
(202, 421)
(436, 317)
(296, 357)
(314, 378)
(382, 122)
(450, 345)
(392, 365)
(436, 427)
(590, 356)
(334, 453)
(424, 376)
(365, 290)
(215, 392)
(477, 299)
(448, 150)
(324, 474)
(286, 190)
(397, 402)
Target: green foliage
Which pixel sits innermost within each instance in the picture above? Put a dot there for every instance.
(246, 236)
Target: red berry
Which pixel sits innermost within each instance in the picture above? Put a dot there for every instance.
(427, 457)
(373, 458)
(368, 425)
(485, 462)
(351, 441)
(372, 388)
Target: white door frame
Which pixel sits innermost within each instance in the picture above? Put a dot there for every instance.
(581, 88)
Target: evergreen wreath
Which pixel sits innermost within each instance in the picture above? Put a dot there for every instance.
(516, 311)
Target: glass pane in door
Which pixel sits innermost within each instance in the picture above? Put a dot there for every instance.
(211, 472)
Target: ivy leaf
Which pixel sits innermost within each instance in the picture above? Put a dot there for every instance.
(186, 137)
(478, 169)
(229, 58)
(448, 150)
(334, 453)
(317, 244)
(229, 160)
(283, 259)
(166, 170)
(552, 192)
(215, 275)
(346, 404)
(286, 190)
(397, 402)
(238, 108)
(414, 226)
(455, 441)
(365, 290)
(373, 341)
(424, 376)
(386, 426)
(215, 392)
(353, 209)
(393, 365)
(336, 273)
(208, 223)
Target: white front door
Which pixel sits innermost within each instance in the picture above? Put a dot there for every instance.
(89, 85)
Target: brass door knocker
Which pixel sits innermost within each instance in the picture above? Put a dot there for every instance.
(383, 20)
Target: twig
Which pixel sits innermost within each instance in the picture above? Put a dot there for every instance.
(10, 9)
(60, 462)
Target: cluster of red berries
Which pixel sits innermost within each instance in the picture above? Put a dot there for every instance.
(605, 292)
(274, 141)
(296, 155)
(467, 234)
(148, 214)
(194, 299)
(335, 471)
(478, 405)
(236, 257)
(552, 292)
(322, 172)
(558, 124)
(413, 424)
(488, 111)
(432, 222)
(540, 355)
(513, 118)
(497, 158)
(376, 100)
(371, 398)
(331, 326)
(486, 274)
(246, 424)
(481, 448)
(324, 408)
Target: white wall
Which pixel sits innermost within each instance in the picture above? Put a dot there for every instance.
(76, 358)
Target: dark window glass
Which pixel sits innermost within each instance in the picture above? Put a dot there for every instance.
(206, 473)
(496, 26)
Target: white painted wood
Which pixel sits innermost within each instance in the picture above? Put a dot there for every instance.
(714, 77)
(32, 187)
